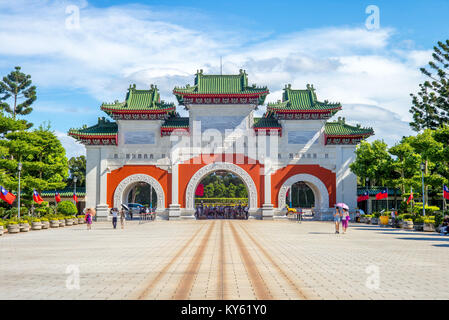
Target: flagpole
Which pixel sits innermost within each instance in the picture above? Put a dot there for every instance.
(387, 199)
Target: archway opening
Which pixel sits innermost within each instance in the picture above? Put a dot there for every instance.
(300, 195)
(141, 198)
(221, 195)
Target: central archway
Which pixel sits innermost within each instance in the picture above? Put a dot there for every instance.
(122, 191)
(221, 166)
(319, 190)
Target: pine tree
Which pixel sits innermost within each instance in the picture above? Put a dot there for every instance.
(431, 105)
(18, 86)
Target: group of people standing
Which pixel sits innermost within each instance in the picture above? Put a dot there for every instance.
(115, 214)
(341, 215)
(221, 212)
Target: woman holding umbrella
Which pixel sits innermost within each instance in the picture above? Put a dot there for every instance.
(338, 214)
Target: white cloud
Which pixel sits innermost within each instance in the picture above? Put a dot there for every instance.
(117, 46)
(73, 148)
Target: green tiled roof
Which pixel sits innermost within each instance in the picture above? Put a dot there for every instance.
(104, 127)
(176, 122)
(266, 122)
(139, 100)
(66, 192)
(302, 100)
(220, 84)
(340, 128)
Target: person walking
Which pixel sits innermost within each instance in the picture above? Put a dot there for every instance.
(114, 212)
(122, 218)
(344, 220)
(337, 219)
(90, 212)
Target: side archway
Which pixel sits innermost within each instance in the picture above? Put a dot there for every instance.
(126, 184)
(225, 166)
(318, 188)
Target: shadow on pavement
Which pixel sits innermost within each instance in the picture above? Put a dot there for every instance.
(322, 232)
(426, 239)
(441, 245)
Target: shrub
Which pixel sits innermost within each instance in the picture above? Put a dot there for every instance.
(376, 214)
(403, 206)
(67, 208)
(408, 219)
(428, 209)
(419, 219)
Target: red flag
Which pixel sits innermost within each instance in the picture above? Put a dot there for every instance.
(410, 198)
(7, 196)
(382, 195)
(75, 198)
(200, 190)
(363, 197)
(446, 192)
(57, 197)
(37, 198)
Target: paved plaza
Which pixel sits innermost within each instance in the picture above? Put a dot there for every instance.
(224, 259)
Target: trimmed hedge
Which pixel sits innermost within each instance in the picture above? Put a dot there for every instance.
(67, 208)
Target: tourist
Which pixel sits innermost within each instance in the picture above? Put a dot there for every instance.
(122, 218)
(337, 219)
(90, 213)
(345, 219)
(114, 212)
(445, 226)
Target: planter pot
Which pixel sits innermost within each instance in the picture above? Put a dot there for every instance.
(384, 220)
(81, 220)
(1, 230)
(24, 227)
(429, 227)
(68, 222)
(13, 228)
(62, 223)
(54, 223)
(408, 225)
(374, 220)
(36, 226)
(362, 220)
(418, 226)
(75, 221)
(45, 224)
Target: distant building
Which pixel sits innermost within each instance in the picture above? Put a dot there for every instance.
(137, 147)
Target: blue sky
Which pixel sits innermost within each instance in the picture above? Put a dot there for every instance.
(371, 72)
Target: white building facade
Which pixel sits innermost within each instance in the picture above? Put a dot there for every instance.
(148, 142)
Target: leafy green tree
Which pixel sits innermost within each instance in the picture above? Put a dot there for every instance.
(209, 190)
(431, 104)
(17, 86)
(44, 164)
(374, 162)
(77, 168)
(241, 191)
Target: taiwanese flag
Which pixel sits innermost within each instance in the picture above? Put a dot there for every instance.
(363, 197)
(7, 196)
(57, 197)
(445, 192)
(75, 198)
(200, 190)
(410, 198)
(382, 195)
(37, 198)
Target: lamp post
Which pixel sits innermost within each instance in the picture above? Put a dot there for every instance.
(423, 167)
(367, 200)
(19, 167)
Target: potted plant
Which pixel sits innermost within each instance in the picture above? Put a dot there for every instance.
(375, 218)
(45, 223)
(407, 224)
(384, 218)
(68, 221)
(24, 225)
(81, 219)
(418, 224)
(13, 226)
(429, 224)
(54, 221)
(61, 219)
(1, 228)
(75, 220)
(368, 218)
(36, 224)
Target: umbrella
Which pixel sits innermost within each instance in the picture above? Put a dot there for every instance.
(342, 205)
(124, 206)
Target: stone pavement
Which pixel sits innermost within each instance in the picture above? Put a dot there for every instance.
(224, 259)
